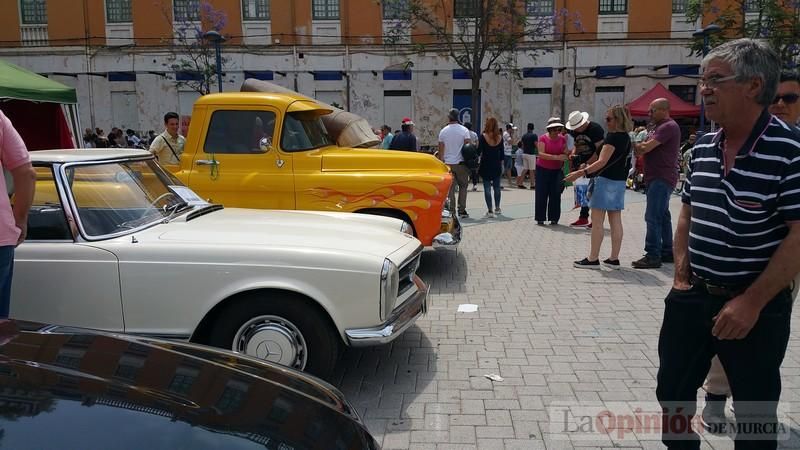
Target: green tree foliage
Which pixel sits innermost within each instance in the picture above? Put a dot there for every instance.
(777, 21)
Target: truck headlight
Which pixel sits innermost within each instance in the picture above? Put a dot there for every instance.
(390, 280)
(407, 228)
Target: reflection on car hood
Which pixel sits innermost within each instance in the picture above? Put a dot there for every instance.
(346, 232)
(70, 388)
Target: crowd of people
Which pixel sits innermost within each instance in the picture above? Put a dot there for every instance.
(727, 316)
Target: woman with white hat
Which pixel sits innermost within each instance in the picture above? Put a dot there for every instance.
(552, 154)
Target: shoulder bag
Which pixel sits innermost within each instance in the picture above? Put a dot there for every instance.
(593, 177)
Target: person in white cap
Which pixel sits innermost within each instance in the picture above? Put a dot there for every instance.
(588, 141)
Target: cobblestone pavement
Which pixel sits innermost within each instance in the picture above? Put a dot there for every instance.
(553, 332)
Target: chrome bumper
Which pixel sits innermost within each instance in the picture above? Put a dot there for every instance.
(451, 237)
(401, 318)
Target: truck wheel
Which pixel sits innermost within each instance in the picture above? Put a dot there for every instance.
(284, 330)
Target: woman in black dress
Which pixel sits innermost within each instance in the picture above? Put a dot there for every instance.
(490, 146)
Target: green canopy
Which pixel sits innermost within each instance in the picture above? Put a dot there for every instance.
(22, 84)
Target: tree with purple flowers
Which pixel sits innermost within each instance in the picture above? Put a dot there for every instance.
(191, 54)
(479, 35)
(777, 21)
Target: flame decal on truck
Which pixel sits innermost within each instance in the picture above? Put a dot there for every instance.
(411, 196)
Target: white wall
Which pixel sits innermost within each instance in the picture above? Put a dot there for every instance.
(431, 85)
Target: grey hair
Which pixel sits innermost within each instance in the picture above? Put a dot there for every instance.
(750, 59)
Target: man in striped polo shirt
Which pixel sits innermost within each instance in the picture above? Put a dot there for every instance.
(735, 251)
(785, 106)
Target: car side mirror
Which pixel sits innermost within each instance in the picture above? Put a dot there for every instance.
(265, 145)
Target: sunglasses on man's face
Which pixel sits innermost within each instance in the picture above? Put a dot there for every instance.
(788, 99)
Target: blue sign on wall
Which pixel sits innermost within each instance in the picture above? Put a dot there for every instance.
(462, 101)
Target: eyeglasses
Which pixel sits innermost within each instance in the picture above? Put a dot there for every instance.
(713, 82)
(789, 99)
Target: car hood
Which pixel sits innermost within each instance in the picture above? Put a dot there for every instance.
(66, 387)
(360, 160)
(344, 232)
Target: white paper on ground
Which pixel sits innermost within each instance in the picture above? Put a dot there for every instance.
(494, 377)
(467, 308)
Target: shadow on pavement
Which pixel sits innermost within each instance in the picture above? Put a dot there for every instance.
(382, 382)
(642, 276)
(569, 230)
(445, 271)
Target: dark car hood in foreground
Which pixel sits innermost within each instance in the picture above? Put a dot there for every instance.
(71, 388)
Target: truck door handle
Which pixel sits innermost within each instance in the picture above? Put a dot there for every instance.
(207, 162)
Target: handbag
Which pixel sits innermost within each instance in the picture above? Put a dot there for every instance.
(593, 177)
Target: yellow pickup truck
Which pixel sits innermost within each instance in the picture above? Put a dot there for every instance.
(272, 150)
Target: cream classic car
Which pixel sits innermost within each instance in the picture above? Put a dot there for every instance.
(117, 243)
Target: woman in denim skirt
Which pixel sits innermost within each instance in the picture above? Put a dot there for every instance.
(610, 170)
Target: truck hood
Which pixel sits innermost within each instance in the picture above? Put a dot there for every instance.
(360, 160)
(342, 232)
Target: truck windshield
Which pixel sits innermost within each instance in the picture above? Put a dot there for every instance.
(303, 131)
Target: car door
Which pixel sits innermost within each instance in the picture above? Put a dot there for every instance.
(238, 163)
(58, 280)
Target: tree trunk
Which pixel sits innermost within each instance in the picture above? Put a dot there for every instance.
(475, 100)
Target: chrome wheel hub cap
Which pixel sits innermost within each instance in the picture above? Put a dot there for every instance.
(273, 339)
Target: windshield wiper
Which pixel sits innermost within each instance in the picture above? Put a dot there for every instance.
(174, 209)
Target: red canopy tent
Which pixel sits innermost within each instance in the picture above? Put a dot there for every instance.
(678, 107)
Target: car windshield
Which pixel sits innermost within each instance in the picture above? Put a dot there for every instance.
(303, 131)
(113, 198)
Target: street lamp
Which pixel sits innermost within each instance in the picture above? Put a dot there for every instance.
(217, 39)
(705, 33)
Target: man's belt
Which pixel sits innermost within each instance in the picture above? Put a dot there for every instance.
(718, 290)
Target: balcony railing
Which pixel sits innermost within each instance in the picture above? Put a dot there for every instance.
(33, 35)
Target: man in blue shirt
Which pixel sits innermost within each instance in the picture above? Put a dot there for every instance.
(406, 140)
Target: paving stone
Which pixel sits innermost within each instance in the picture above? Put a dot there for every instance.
(554, 333)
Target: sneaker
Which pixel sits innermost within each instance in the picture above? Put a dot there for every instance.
(667, 258)
(498, 211)
(713, 417)
(488, 215)
(581, 222)
(475, 188)
(646, 262)
(540, 223)
(612, 263)
(521, 186)
(533, 188)
(586, 264)
(589, 227)
(553, 223)
(464, 214)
